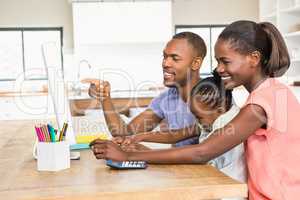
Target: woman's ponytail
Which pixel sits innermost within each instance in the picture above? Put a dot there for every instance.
(279, 60)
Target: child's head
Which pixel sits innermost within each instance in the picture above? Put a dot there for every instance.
(209, 100)
(246, 49)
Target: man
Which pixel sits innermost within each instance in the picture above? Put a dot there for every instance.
(182, 59)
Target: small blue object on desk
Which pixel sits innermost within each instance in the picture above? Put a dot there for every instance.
(127, 164)
(79, 146)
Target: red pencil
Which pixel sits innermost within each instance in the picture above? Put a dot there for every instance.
(38, 134)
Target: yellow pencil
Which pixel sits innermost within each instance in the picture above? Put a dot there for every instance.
(62, 132)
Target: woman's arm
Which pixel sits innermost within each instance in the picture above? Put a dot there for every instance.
(250, 118)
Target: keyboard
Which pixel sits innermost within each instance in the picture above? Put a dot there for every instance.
(127, 164)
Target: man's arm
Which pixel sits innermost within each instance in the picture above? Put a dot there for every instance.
(171, 136)
(144, 122)
(167, 137)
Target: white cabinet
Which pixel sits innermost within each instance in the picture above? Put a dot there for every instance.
(285, 15)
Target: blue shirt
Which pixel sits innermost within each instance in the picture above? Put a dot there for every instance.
(170, 106)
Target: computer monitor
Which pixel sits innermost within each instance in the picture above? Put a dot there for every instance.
(57, 89)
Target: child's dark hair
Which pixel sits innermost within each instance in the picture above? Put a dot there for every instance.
(247, 37)
(212, 92)
(194, 40)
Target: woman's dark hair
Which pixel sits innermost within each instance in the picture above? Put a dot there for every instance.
(212, 92)
(194, 40)
(247, 37)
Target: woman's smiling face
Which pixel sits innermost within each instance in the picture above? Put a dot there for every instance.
(234, 67)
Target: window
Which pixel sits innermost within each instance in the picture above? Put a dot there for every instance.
(210, 34)
(21, 51)
(11, 55)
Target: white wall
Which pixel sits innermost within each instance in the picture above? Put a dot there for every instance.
(45, 13)
(49, 13)
(197, 12)
(59, 13)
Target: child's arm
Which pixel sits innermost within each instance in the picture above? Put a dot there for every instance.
(250, 118)
(167, 137)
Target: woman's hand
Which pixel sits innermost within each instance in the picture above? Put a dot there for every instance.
(105, 149)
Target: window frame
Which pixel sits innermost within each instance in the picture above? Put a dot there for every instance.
(209, 26)
(22, 30)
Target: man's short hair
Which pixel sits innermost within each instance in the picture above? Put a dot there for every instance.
(195, 41)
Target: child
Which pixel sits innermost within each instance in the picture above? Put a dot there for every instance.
(213, 108)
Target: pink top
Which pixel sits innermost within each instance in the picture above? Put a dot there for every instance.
(273, 154)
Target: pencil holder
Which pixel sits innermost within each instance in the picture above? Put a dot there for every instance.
(53, 156)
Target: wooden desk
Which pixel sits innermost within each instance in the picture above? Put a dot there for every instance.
(89, 178)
